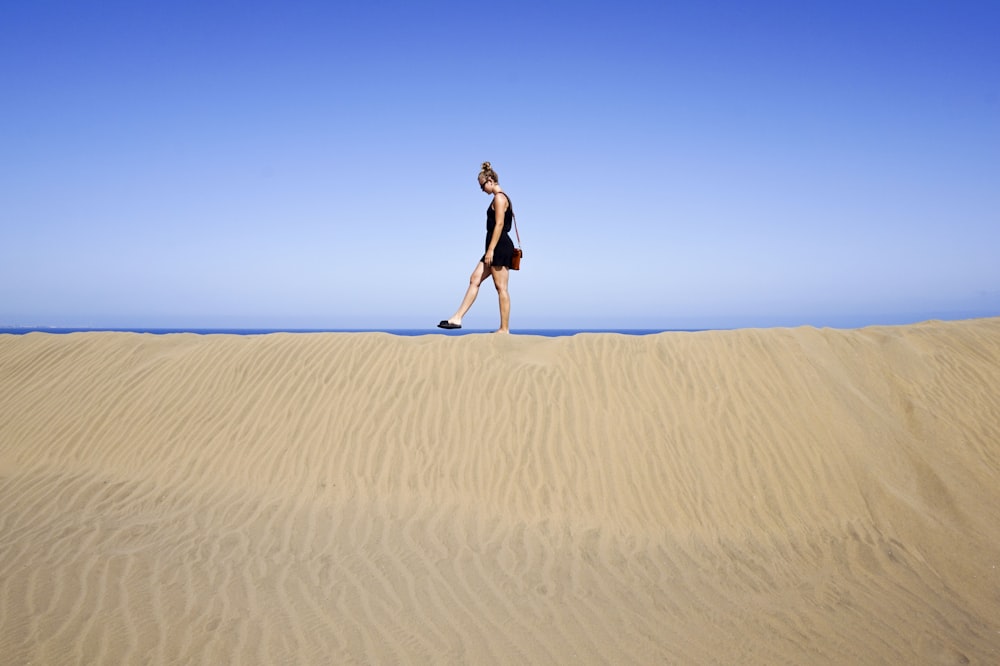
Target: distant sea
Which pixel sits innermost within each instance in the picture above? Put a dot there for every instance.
(839, 322)
(408, 332)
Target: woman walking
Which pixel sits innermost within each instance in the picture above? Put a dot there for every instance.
(496, 261)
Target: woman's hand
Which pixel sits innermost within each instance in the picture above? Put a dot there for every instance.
(488, 259)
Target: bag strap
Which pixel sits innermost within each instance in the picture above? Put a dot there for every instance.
(513, 217)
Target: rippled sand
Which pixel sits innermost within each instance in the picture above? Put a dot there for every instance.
(739, 497)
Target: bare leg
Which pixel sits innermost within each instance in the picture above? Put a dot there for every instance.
(478, 276)
(500, 275)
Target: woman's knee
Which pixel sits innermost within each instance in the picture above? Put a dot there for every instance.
(478, 276)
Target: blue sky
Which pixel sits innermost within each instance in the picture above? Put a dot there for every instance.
(673, 165)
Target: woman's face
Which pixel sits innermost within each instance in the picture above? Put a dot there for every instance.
(486, 185)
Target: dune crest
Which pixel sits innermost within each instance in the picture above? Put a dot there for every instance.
(753, 497)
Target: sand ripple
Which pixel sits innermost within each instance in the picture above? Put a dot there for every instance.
(755, 497)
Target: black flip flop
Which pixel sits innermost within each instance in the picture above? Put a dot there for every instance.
(447, 324)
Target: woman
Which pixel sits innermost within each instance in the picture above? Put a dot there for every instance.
(495, 262)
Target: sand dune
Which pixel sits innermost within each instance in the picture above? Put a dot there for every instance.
(783, 496)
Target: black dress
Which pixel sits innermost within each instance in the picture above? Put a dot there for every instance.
(503, 253)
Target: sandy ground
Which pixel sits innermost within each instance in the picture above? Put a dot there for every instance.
(781, 496)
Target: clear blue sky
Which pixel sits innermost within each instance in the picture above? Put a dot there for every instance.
(673, 164)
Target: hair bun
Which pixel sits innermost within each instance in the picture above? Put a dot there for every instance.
(486, 166)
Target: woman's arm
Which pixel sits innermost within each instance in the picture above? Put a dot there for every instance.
(499, 210)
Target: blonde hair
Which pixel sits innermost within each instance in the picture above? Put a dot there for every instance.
(487, 173)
